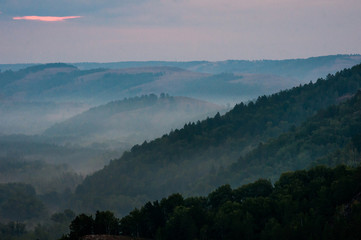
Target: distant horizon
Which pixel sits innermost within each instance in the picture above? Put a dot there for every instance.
(180, 61)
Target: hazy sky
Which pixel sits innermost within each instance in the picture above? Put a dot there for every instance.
(179, 30)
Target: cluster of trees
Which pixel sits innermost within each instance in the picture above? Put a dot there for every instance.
(181, 160)
(104, 223)
(320, 203)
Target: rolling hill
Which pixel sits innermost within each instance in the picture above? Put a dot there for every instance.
(130, 121)
(51, 93)
(302, 69)
(66, 83)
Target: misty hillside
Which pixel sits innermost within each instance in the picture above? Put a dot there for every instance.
(110, 81)
(178, 162)
(303, 69)
(130, 121)
(34, 98)
(66, 83)
(59, 82)
(33, 117)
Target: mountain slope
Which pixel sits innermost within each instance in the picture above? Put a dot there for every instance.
(314, 142)
(177, 162)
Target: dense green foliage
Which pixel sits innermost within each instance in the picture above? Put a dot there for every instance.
(104, 223)
(337, 128)
(182, 159)
(321, 203)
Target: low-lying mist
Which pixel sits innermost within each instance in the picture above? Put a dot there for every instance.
(34, 117)
(130, 121)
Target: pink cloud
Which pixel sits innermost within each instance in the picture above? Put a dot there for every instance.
(45, 18)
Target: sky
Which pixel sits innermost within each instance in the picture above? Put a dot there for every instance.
(41, 31)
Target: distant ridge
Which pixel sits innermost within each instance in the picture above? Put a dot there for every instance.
(286, 67)
(329, 62)
(223, 82)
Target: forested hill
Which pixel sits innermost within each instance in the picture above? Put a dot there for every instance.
(331, 137)
(177, 161)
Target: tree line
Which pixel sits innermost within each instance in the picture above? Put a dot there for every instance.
(320, 203)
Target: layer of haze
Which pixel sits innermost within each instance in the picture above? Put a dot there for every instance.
(180, 30)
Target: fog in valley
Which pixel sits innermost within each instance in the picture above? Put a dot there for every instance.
(177, 120)
(112, 136)
(82, 115)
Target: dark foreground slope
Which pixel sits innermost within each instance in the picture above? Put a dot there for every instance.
(320, 203)
(179, 161)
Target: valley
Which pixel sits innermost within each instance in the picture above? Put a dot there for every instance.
(113, 139)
